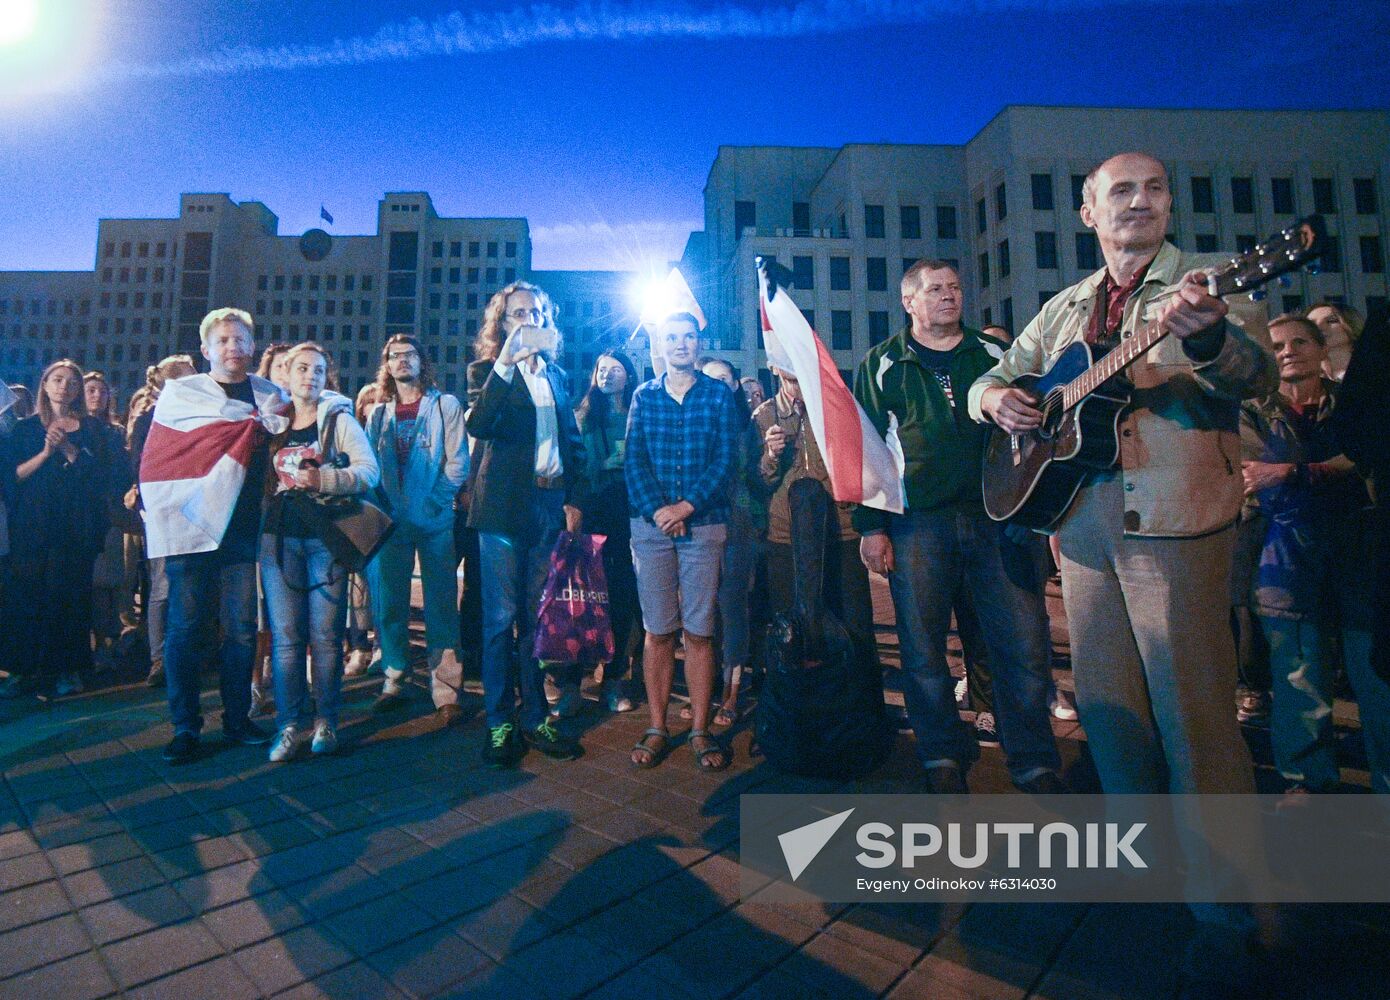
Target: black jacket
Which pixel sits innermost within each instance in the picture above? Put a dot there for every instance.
(61, 504)
(503, 421)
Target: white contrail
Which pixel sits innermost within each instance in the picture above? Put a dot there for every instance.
(471, 33)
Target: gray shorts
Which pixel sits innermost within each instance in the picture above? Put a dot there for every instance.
(677, 578)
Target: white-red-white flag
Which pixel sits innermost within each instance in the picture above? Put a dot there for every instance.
(195, 460)
(862, 468)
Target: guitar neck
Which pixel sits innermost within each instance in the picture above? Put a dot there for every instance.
(1119, 358)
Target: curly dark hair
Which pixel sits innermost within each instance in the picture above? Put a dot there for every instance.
(490, 336)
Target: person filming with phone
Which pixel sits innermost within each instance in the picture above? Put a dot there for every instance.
(529, 476)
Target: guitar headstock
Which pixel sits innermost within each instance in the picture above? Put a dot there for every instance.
(1285, 251)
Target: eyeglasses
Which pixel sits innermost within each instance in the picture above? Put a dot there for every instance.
(402, 355)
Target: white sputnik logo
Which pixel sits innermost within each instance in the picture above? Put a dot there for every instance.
(800, 846)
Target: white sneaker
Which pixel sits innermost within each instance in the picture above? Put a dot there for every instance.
(569, 704)
(285, 746)
(357, 662)
(617, 701)
(325, 739)
(1062, 706)
(985, 732)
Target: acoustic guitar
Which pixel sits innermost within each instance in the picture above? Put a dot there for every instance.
(1031, 478)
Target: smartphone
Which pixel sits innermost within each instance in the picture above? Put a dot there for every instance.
(543, 339)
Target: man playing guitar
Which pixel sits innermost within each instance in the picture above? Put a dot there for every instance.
(1146, 547)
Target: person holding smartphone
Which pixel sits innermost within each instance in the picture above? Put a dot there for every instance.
(530, 476)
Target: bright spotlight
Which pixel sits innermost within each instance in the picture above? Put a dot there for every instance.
(650, 296)
(18, 18)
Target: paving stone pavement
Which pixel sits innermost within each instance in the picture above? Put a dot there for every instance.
(403, 868)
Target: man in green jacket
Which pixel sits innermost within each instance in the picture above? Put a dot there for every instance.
(913, 388)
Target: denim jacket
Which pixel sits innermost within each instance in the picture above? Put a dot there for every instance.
(436, 467)
(1306, 519)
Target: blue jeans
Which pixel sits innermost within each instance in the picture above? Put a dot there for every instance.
(934, 553)
(200, 584)
(514, 571)
(1305, 747)
(388, 577)
(304, 619)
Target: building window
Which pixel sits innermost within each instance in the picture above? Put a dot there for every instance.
(1243, 195)
(1087, 251)
(110, 249)
(1206, 243)
(1332, 256)
(1372, 260)
(803, 273)
(508, 275)
(436, 275)
(810, 315)
(1203, 200)
(841, 330)
(946, 222)
(125, 249)
(878, 326)
(1006, 319)
(986, 316)
(1001, 203)
(745, 217)
(1324, 196)
(839, 274)
(910, 222)
(1042, 192)
(801, 218)
(1363, 192)
(1281, 192)
(262, 283)
(1005, 265)
(984, 270)
(876, 274)
(1078, 191)
(510, 249)
(1044, 298)
(492, 249)
(474, 247)
(1245, 242)
(981, 216)
(873, 222)
(437, 248)
(491, 276)
(453, 300)
(1045, 247)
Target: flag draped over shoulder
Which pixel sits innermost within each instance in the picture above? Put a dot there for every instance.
(862, 468)
(195, 459)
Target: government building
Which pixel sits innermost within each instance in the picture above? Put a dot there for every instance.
(846, 221)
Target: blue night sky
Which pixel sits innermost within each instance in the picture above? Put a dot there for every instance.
(598, 122)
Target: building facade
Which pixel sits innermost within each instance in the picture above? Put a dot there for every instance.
(1003, 208)
(155, 279)
(846, 221)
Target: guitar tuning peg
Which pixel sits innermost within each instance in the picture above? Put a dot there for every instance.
(1284, 281)
(1259, 295)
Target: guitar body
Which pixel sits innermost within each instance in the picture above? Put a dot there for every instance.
(1032, 478)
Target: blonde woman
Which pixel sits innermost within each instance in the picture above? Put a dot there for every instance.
(323, 450)
(64, 470)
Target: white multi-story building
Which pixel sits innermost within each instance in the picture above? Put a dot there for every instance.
(156, 278)
(1002, 207)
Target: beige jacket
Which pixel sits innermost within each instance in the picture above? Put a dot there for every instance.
(1180, 438)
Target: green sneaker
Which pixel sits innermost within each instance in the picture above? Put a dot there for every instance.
(547, 739)
(502, 748)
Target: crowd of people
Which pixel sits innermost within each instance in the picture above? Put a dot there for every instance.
(1218, 574)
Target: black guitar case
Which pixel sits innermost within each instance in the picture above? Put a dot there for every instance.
(820, 712)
